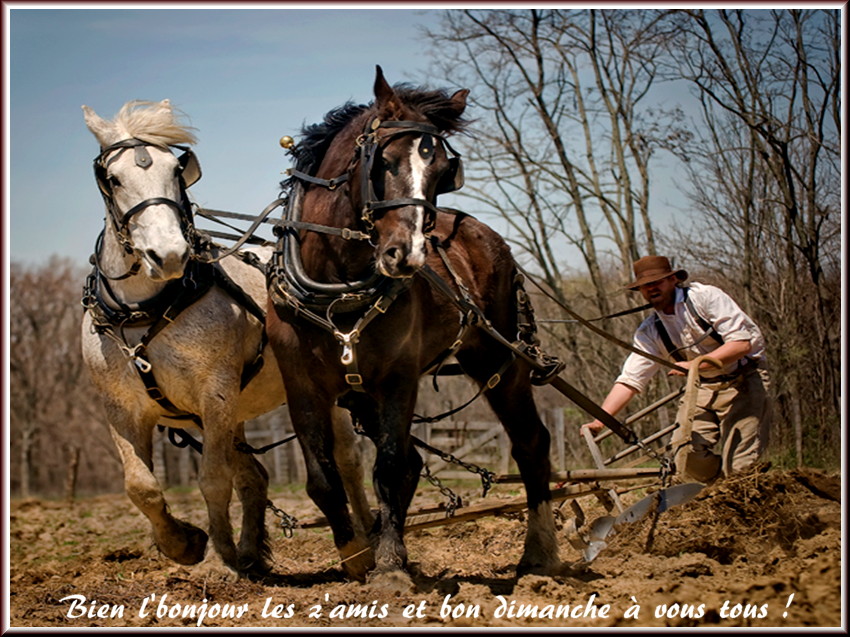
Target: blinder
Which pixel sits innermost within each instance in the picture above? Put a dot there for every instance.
(370, 147)
(191, 167)
(452, 179)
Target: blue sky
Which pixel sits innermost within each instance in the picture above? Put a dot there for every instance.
(244, 78)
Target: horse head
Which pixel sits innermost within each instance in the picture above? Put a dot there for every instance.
(405, 162)
(144, 183)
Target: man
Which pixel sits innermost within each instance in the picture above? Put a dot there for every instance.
(733, 408)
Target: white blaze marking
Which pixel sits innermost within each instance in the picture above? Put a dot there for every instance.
(417, 177)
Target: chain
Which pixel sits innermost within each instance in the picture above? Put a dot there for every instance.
(288, 523)
(486, 475)
(454, 500)
(668, 469)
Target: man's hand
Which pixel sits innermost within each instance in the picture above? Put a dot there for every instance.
(683, 367)
(595, 426)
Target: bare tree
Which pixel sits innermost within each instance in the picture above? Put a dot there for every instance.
(567, 132)
(765, 175)
(51, 413)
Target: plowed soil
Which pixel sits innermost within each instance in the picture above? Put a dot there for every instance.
(762, 549)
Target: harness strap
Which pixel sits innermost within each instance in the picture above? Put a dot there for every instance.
(201, 282)
(350, 339)
(330, 184)
(438, 364)
(196, 283)
(249, 233)
(676, 352)
(155, 393)
(345, 233)
(245, 300)
(494, 380)
(520, 350)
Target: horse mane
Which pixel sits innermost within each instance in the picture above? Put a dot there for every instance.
(317, 138)
(155, 123)
(435, 105)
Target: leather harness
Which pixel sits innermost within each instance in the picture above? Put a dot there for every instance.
(159, 312)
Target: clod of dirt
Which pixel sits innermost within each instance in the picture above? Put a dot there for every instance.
(744, 516)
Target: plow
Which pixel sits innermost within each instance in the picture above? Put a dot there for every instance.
(587, 536)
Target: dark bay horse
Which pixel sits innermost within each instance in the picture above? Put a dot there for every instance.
(357, 323)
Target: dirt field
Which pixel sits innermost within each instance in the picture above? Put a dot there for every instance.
(759, 550)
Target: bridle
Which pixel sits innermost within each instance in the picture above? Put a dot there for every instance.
(370, 146)
(287, 275)
(190, 172)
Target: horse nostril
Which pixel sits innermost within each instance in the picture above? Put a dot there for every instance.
(392, 256)
(154, 257)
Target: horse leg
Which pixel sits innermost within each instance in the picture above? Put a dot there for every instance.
(349, 464)
(217, 473)
(396, 472)
(513, 402)
(312, 419)
(180, 541)
(252, 483)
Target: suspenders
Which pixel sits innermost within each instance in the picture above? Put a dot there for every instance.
(675, 353)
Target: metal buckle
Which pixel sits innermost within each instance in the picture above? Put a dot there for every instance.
(354, 379)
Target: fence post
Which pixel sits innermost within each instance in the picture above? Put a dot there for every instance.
(505, 456)
(277, 434)
(558, 426)
(183, 461)
(159, 469)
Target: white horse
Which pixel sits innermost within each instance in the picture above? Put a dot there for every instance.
(171, 339)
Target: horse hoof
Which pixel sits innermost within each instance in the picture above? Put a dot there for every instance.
(529, 567)
(254, 568)
(194, 545)
(358, 558)
(395, 582)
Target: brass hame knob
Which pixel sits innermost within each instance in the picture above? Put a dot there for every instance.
(287, 142)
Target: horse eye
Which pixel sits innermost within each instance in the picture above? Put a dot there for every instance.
(426, 147)
(114, 181)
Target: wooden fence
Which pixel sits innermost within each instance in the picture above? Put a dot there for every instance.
(484, 444)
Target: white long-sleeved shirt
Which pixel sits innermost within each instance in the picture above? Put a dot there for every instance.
(713, 305)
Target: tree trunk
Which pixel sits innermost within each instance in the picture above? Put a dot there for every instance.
(71, 475)
(26, 444)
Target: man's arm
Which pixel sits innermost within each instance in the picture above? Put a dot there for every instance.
(617, 398)
(727, 353)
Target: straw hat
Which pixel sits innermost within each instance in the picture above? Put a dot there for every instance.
(651, 269)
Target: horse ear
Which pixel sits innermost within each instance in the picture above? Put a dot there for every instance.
(458, 100)
(99, 127)
(385, 97)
